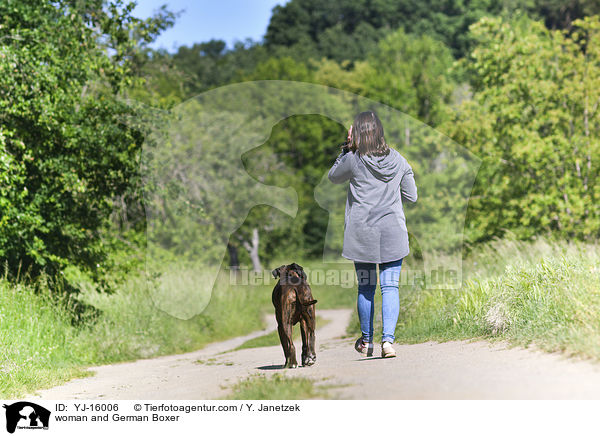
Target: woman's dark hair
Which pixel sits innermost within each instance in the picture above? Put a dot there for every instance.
(367, 135)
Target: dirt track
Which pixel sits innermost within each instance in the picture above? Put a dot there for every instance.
(452, 370)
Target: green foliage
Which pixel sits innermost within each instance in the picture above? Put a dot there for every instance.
(283, 68)
(534, 121)
(64, 150)
(206, 65)
(404, 71)
(558, 14)
(349, 29)
(302, 144)
(412, 74)
(400, 54)
(162, 84)
(36, 335)
(552, 303)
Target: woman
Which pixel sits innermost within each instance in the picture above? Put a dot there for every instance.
(375, 227)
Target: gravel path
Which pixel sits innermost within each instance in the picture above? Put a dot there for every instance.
(451, 370)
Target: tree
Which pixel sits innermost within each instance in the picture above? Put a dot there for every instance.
(199, 190)
(534, 120)
(210, 64)
(348, 29)
(560, 14)
(65, 150)
(412, 74)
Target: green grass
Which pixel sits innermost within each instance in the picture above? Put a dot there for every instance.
(40, 347)
(543, 293)
(35, 341)
(267, 340)
(277, 387)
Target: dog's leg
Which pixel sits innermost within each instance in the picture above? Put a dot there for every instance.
(307, 328)
(282, 320)
(285, 343)
(285, 335)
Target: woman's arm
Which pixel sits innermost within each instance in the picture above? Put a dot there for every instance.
(408, 187)
(342, 168)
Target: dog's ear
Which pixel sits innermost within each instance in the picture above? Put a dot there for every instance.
(277, 271)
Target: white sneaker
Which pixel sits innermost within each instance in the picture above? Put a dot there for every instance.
(366, 349)
(387, 350)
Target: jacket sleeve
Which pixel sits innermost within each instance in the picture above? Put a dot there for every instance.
(408, 187)
(342, 168)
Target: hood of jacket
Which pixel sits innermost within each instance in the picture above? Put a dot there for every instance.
(384, 168)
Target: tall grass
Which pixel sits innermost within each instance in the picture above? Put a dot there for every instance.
(544, 292)
(36, 340)
(41, 347)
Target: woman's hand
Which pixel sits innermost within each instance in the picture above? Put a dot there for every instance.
(346, 147)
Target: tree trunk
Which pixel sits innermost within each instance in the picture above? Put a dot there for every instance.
(253, 250)
(234, 262)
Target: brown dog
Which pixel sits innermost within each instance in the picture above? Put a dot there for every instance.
(294, 302)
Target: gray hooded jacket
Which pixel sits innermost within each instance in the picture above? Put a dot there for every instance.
(375, 226)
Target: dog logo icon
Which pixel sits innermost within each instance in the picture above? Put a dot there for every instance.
(26, 415)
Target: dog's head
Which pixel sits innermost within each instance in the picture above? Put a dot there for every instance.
(294, 274)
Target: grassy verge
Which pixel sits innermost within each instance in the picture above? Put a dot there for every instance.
(277, 387)
(40, 347)
(541, 293)
(35, 341)
(544, 292)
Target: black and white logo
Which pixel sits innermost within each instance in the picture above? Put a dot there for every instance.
(26, 415)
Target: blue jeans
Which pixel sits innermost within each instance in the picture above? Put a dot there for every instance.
(389, 277)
